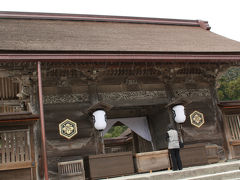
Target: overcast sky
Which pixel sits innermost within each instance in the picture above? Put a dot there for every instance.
(223, 15)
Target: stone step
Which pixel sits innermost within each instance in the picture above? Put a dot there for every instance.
(197, 171)
(219, 176)
(191, 172)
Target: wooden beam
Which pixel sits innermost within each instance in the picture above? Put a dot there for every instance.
(18, 165)
(110, 57)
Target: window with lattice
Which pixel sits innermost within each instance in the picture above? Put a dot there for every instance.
(14, 147)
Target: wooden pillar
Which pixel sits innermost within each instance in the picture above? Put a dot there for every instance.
(170, 96)
(219, 119)
(99, 142)
(92, 90)
(44, 153)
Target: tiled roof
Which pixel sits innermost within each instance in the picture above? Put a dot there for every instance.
(109, 34)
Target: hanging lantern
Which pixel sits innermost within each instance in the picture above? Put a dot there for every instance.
(99, 118)
(179, 114)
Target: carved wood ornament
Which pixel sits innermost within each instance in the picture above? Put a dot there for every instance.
(197, 119)
(68, 128)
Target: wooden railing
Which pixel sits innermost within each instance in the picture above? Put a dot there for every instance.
(71, 170)
(15, 149)
(233, 122)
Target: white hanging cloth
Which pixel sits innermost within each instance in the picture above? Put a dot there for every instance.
(137, 124)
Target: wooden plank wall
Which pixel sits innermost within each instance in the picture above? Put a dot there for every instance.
(60, 149)
(19, 174)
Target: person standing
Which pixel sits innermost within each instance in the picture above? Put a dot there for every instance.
(173, 148)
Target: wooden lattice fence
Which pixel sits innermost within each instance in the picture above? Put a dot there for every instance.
(14, 148)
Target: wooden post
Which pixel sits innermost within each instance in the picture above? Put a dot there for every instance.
(102, 142)
(32, 156)
(228, 138)
(44, 153)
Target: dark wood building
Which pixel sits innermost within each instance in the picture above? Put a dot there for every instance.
(139, 67)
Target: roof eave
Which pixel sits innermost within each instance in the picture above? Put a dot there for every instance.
(103, 18)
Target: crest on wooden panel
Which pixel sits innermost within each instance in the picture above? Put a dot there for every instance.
(197, 119)
(68, 128)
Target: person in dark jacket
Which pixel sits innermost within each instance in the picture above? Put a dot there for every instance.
(173, 147)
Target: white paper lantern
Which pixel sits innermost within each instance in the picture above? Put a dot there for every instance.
(100, 120)
(179, 114)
